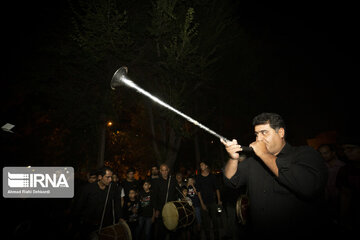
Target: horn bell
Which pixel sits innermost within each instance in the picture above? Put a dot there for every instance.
(118, 75)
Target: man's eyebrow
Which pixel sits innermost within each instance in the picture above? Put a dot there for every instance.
(261, 131)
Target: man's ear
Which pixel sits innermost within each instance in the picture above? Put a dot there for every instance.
(281, 132)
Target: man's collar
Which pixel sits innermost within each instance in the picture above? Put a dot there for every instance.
(285, 150)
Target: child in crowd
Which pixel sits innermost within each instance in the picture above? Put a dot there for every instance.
(131, 206)
(146, 211)
(193, 195)
(184, 232)
(185, 197)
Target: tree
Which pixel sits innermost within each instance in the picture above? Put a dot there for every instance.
(183, 60)
(174, 57)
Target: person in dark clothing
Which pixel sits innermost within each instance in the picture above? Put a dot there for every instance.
(130, 182)
(286, 184)
(164, 190)
(209, 195)
(193, 195)
(90, 205)
(348, 182)
(234, 228)
(131, 211)
(146, 211)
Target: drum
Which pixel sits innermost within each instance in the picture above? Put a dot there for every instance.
(119, 231)
(242, 208)
(177, 214)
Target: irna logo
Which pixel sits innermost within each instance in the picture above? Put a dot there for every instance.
(38, 182)
(20, 180)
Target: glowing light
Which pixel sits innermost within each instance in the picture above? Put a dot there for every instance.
(109, 124)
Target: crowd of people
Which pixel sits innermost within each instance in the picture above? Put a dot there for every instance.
(290, 192)
(214, 215)
(299, 191)
(139, 202)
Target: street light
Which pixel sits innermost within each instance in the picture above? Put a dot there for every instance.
(102, 143)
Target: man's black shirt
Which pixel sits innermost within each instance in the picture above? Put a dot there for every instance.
(127, 185)
(159, 190)
(291, 200)
(90, 204)
(207, 186)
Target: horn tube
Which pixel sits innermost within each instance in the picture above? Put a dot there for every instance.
(120, 79)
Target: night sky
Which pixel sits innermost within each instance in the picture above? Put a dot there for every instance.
(310, 66)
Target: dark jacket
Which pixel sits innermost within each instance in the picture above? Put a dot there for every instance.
(159, 189)
(90, 204)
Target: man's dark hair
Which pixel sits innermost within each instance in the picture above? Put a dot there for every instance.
(131, 169)
(275, 120)
(93, 172)
(102, 171)
(330, 146)
(205, 162)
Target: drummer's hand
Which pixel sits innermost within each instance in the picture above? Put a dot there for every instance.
(219, 202)
(232, 148)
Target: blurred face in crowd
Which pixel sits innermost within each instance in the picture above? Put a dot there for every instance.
(184, 191)
(327, 153)
(352, 152)
(132, 194)
(92, 178)
(106, 179)
(179, 177)
(146, 186)
(130, 176)
(154, 171)
(164, 171)
(203, 166)
(115, 178)
(191, 181)
(273, 139)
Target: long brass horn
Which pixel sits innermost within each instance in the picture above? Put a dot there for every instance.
(120, 79)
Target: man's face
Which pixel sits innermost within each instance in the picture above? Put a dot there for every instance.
(274, 140)
(352, 152)
(179, 178)
(326, 153)
(92, 178)
(106, 179)
(164, 171)
(130, 175)
(154, 171)
(203, 166)
(115, 178)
